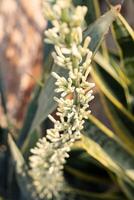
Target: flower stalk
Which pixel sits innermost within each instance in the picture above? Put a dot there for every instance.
(71, 52)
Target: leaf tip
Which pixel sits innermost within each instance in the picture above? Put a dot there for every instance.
(118, 7)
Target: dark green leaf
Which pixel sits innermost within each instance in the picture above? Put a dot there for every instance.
(21, 170)
(125, 38)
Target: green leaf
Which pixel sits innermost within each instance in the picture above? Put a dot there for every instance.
(126, 145)
(31, 112)
(113, 83)
(109, 153)
(2, 93)
(21, 170)
(128, 189)
(85, 176)
(104, 148)
(86, 170)
(112, 89)
(46, 104)
(115, 105)
(99, 29)
(102, 62)
(125, 41)
(122, 125)
(76, 193)
(32, 109)
(3, 171)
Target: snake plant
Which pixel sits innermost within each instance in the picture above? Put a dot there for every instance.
(94, 161)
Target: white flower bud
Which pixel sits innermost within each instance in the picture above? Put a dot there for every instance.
(86, 42)
(49, 155)
(51, 118)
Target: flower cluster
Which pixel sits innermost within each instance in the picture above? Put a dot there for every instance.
(72, 53)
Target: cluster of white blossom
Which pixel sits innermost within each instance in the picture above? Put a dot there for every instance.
(72, 53)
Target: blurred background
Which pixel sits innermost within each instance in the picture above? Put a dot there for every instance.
(21, 50)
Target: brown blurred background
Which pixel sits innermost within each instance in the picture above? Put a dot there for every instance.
(21, 31)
